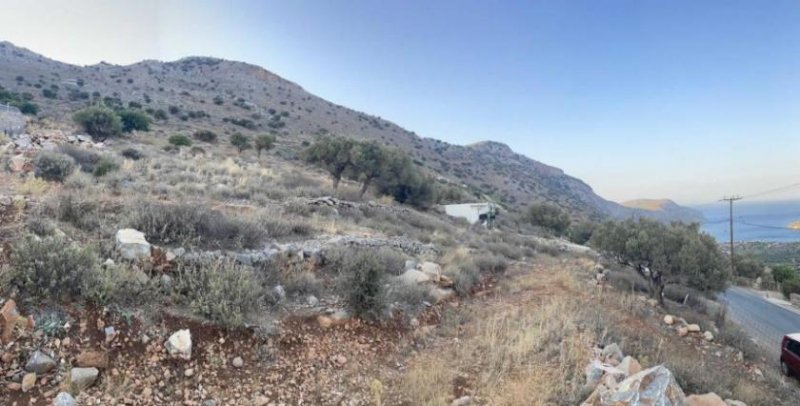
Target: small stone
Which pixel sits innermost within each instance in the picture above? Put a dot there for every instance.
(324, 321)
(312, 301)
(339, 360)
(14, 386)
(708, 336)
(40, 363)
(693, 328)
(111, 334)
(238, 362)
(64, 399)
(28, 381)
(708, 399)
(462, 401)
(145, 339)
(188, 372)
(682, 331)
(147, 392)
(669, 320)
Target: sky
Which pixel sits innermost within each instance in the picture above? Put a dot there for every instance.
(689, 100)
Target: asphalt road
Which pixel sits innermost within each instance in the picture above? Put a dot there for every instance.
(766, 322)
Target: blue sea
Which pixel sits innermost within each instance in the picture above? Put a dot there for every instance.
(752, 221)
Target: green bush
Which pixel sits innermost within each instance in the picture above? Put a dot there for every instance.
(85, 158)
(790, 286)
(122, 285)
(53, 166)
(134, 120)
(195, 225)
(361, 284)
(81, 214)
(100, 122)
(51, 267)
(491, 263)
(205, 136)
(132, 153)
(783, 273)
(547, 216)
(302, 283)
(222, 291)
(240, 141)
(104, 167)
(40, 226)
(465, 275)
(264, 142)
(180, 140)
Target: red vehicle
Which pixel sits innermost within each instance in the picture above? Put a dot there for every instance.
(790, 354)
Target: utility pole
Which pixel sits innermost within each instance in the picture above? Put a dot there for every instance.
(730, 200)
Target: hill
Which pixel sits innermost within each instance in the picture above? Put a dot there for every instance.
(210, 93)
(664, 210)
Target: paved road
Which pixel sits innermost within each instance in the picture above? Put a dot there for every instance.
(766, 322)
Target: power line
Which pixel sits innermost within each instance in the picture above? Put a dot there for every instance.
(730, 200)
(742, 221)
(766, 192)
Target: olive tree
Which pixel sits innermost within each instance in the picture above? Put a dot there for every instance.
(664, 253)
(334, 154)
(548, 216)
(264, 142)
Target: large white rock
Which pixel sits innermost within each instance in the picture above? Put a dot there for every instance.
(654, 386)
(82, 378)
(180, 344)
(433, 270)
(131, 244)
(412, 277)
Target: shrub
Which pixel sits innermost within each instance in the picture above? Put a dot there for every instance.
(53, 166)
(264, 142)
(51, 267)
(40, 226)
(122, 285)
(81, 214)
(302, 283)
(464, 275)
(180, 140)
(85, 158)
(132, 153)
(192, 224)
(581, 232)
(205, 136)
(790, 286)
(222, 291)
(547, 216)
(361, 284)
(99, 122)
(240, 141)
(134, 120)
(104, 167)
(783, 273)
(491, 263)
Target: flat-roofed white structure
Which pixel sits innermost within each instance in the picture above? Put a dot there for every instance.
(473, 212)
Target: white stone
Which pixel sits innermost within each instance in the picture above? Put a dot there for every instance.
(669, 320)
(412, 276)
(131, 244)
(64, 399)
(708, 336)
(433, 270)
(83, 377)
(180, 344)
(693, 328)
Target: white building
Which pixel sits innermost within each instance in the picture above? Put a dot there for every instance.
(482, 213)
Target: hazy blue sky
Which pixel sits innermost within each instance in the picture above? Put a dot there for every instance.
(681, 99)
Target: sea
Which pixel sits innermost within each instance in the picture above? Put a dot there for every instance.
(752, 221)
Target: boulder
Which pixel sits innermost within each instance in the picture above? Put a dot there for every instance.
(731, 402)
(96, 359)
(81, 378)
(179, 344)
(669, 320)
(64, 399)
(131, 244)
(709, 399)
(682, 331)
(693, 328)
(39, 363)
(17, 163)
(433, 270)
(412, 277)
(654, 386)
(611, 354)
(629, 366)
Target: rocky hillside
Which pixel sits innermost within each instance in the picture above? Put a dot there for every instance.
(664, 210)
(200, 92)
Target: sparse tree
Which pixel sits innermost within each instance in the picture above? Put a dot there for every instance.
(664, 254)
(240, 141)
(134, 120)
(264, 142)
(368, 159)
(99, 121)
(334, 154)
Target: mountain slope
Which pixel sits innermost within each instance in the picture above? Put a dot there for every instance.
(211, 93)
(663, 209)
